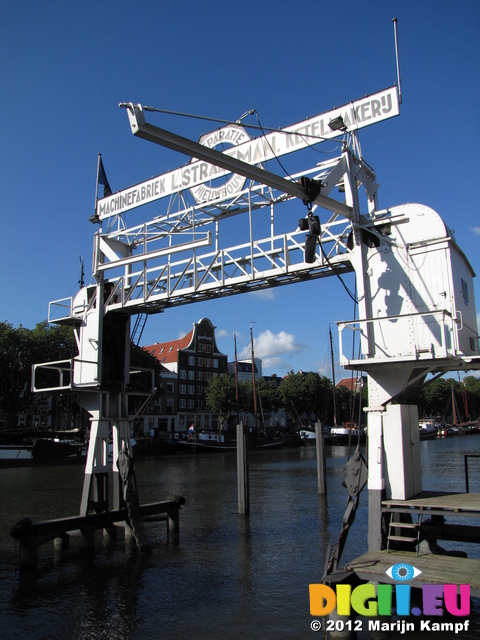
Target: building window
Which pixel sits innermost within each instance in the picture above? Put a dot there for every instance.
(215, 363)
(208, 348)
(191, 404)
(183, 374)
(208, 362)
(182, 404)
(183, 388)
(191, 361)
(200, 362)
(199, 391)
(191, 375)
(170, 388)
(199, 404)
(191, 389)
(199, 375)
(169, 405)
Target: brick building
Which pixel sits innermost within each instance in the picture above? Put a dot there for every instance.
(191, 361)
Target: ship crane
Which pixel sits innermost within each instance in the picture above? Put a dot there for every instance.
(414, 286)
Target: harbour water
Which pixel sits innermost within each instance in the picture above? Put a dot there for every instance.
(230, 577)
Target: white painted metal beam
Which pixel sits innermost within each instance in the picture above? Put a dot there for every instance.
(142, 129)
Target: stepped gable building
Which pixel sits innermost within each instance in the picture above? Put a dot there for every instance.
(194, 359)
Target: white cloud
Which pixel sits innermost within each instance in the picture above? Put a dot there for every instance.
(272, 348)
(265, 294)
(475, 230)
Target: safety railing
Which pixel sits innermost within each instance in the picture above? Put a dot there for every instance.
(467, 481)
(54, 376)
(438, 326)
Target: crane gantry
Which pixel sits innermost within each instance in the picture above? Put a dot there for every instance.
(414, 286)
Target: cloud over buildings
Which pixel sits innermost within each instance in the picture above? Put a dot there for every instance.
(274, 349)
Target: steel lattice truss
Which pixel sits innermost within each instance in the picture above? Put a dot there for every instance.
(178, 257)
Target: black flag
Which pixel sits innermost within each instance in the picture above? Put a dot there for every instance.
(102, 179)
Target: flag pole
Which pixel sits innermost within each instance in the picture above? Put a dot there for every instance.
(99, 158)
(94, 219)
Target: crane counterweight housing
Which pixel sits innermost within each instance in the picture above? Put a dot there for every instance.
(420, 293)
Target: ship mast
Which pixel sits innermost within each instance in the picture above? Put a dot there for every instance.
(333, 379)
(253, 380)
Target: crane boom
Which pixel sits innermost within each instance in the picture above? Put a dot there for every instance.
(142, 129)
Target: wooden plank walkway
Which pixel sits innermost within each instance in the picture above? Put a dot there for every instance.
(432, 504)
(436, 502)
(436, 569)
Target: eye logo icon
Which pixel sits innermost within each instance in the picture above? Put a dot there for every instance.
(402, 572)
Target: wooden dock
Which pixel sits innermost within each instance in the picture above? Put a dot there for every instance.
(436, 509)
(438, 503)
(31, 535)
(436, 569)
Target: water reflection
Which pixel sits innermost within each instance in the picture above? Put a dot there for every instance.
(231, 576)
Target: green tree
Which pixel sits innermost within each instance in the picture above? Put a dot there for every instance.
(220, 396)
(21, 348)
(268, 398)
(434, 398)
(292, 394)
(472, 387)
(319, 392)
(307, 394)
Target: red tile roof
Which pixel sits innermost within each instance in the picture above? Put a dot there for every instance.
(167, 351)
(350, 383)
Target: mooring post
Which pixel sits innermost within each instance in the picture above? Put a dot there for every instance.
(173, 525)
(28, 553)
(321, 467)
(242, 471)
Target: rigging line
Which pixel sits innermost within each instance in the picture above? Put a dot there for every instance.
(240, 121)
(351, 295)
(271, 148)
(301, 135)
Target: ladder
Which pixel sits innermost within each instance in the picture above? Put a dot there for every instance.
(408, 532)
(138, 328)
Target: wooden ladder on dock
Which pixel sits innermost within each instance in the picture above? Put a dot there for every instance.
(408, 532)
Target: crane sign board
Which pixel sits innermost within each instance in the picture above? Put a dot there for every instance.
(357, 114)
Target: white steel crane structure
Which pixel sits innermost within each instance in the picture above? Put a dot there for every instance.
(414, 286)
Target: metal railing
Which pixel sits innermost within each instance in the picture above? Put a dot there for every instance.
(64, 369)
(466, 456)
(444, 337)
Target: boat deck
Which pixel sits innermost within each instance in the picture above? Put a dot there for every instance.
(436, 569)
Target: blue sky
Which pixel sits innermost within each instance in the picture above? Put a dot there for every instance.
(66, 66)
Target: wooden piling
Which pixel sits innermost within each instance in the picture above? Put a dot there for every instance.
(173, 526)
(30, 535)
(242, 471)
(321, 466)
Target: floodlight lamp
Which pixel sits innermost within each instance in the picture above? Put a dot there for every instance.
(337, 124)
